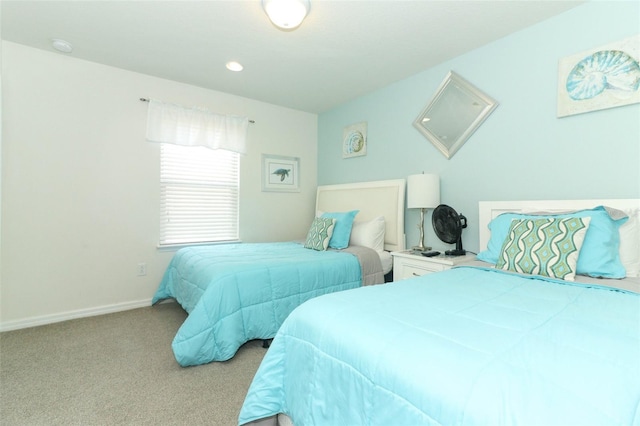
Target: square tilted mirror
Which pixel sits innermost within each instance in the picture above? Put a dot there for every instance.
(455, 112)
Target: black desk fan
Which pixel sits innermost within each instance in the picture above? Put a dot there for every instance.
(448, 225)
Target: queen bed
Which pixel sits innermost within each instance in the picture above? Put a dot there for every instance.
(491, 342)
(234, 293)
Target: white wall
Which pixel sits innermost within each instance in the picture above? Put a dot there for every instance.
(80, 190)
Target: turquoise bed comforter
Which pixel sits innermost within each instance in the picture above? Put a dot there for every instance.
(239, 292)
(464, 346)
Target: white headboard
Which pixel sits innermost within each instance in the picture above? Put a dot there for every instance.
(490, 209)
(373, 199)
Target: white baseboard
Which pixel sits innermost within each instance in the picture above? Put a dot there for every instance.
(65, 316)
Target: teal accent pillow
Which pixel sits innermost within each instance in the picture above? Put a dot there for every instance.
(320, 234)
(600, 253)
(342, 231)
(547, 247)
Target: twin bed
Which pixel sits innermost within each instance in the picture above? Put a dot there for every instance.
(239, 292)
(531, 333)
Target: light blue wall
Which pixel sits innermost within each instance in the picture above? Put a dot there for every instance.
(523, 151)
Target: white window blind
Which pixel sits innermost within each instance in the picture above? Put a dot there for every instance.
(199, 190)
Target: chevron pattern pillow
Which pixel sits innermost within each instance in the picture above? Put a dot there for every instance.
(547, 247)
(320, 233)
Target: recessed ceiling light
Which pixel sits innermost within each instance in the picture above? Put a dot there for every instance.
(61, 45)
(234, 66)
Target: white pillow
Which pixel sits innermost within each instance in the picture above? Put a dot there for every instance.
(368, 234)
(630, 243)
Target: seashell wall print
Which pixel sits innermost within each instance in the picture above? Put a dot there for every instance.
(354, 140)
(605, 77)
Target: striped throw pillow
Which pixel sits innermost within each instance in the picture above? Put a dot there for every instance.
(320, 233)
(548, 247)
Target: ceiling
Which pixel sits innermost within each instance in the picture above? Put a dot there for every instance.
(342, 50)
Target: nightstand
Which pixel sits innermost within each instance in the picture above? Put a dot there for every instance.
(406, 264)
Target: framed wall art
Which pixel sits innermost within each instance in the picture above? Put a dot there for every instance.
(354, 140)
(600, 78)
(280, 174)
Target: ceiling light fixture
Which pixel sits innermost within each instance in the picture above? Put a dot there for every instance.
(61, 45)
(286, 14)
(234, 66)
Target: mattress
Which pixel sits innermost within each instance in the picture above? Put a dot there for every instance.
(386, 260)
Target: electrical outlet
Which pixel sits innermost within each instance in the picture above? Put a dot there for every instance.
(142, 269)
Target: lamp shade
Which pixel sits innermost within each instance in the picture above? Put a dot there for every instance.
(423, 191)
(286, 14)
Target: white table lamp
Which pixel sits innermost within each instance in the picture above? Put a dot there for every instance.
(423, 192)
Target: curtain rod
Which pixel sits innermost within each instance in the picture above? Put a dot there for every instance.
(147, 100)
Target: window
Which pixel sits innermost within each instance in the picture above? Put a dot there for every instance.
(199, 190)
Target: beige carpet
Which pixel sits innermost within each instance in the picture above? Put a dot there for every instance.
(117, 369)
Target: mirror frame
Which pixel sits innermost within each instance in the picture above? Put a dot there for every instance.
(450, 144)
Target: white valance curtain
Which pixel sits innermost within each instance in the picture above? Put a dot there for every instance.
(169, 123)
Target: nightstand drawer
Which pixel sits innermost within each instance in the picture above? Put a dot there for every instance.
(407, 264)
(408, 270)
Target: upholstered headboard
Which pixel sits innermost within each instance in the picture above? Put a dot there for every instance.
(373, 199)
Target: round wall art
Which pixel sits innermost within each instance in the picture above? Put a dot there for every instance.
(354, 140)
